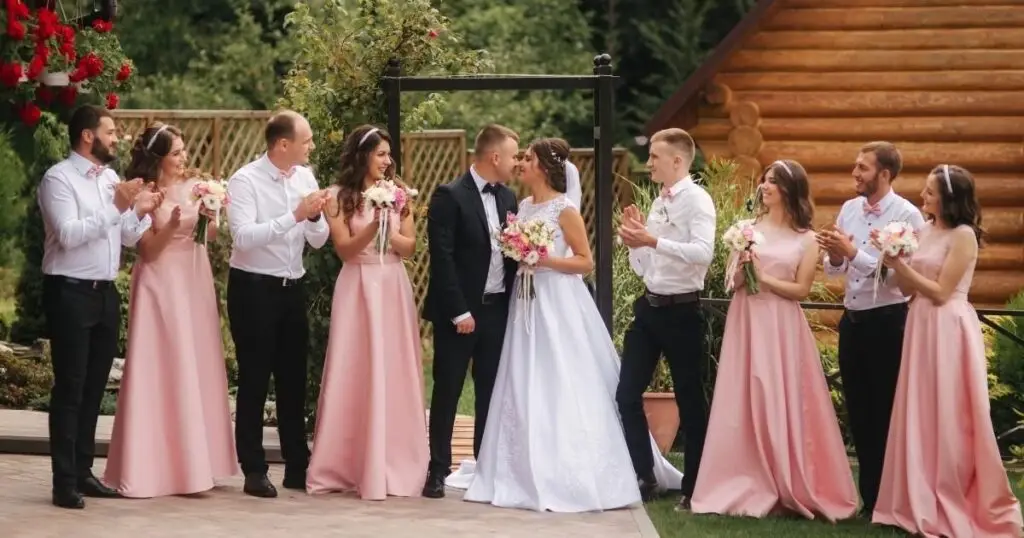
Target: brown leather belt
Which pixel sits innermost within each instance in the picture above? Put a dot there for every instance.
(657, 300)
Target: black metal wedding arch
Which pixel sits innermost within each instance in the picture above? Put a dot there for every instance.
(602, 83)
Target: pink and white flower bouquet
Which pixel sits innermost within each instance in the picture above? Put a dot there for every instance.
(388, 197)
(527, 242)
(898, 239)
(212, 195)
(739, 238)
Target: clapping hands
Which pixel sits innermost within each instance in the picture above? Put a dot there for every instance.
(312, 204)
(633, 230)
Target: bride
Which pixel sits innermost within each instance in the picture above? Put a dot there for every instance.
(553, 439)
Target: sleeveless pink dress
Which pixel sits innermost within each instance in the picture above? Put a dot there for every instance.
(943, 475)
(773, 439)
(371, 429)
(172, 431)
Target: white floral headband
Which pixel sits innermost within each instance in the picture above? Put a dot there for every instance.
(367, 135)
(149, 145)
(945, 174)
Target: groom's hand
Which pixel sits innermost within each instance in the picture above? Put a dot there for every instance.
(466, 326)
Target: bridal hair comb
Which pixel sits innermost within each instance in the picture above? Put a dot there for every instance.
(367, 135)
(152, 139)
(945, 174)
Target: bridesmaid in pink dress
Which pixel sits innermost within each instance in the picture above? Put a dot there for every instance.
(172, 431)
(773, 440)
(371, 434)
(943, 475)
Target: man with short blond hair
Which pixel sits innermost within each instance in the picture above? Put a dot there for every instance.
(671, 251)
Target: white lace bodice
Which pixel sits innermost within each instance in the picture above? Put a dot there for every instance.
(548, 212)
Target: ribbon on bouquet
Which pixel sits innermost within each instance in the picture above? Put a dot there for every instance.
(525, 294)
(730, 271)
(382, 233)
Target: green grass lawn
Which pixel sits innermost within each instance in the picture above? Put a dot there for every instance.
(672, 524)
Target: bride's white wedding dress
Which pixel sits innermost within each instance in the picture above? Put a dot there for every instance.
(553, 439)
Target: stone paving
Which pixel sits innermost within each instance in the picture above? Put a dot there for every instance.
(26, 512)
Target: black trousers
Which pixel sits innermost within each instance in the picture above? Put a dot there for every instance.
(270, 327)
(83, 318)
(870, 350)
(677, 331)
(452, 354)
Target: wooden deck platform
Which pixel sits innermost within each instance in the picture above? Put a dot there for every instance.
(26, 432)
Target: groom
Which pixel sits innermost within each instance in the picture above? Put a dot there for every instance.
(468, 294)
(671, 252)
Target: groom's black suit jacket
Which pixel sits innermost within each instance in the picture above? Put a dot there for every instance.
(460, 248)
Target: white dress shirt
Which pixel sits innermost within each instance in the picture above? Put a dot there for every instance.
(84, 230)
(496, 270)
(857, 221)
(266, 239)
(685, 227)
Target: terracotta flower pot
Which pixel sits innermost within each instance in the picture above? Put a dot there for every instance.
(662, 418)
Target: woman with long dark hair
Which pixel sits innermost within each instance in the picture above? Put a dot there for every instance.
(371, 434)
(773, 440)
(172, 431)
(943, 475)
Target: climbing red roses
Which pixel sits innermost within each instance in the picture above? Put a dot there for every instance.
(46, 63)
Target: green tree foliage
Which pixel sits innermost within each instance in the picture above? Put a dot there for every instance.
(525, 37)
(343, 49)
(205, 54)
(44, 147)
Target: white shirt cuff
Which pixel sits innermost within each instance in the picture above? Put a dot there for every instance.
(461, 317)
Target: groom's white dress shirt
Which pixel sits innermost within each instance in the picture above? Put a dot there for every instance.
(84, 230)
(496, 270)
(685, 227)
(266, 239)
(856, 218)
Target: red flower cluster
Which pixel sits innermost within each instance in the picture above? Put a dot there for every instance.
(49, 37)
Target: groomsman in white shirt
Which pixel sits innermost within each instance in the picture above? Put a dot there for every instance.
(871, 329)
(275, 209)
(88, 214)
(671, 251)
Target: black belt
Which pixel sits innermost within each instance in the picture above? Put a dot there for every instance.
(658, 300)
(81, 282)
(267, 279)
(492, 298)
(881, 312)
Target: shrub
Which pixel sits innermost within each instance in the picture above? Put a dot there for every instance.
(24, 378)
(1006, 376)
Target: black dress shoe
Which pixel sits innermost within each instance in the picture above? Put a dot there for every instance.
(434, 488)
(68, 498)
(648, 488)
(294, 480)
(684, 504)
(258, 485)
(91, 486)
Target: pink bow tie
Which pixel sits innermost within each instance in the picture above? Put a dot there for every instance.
(95, 171)
(870, 209)
(666, 193)
(282, 174)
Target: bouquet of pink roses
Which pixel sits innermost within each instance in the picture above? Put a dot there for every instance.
(527, 242)
(386, 196)
(212, 195)
(897, 240)
(742, 237)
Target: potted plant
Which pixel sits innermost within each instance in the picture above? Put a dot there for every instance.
(51, 56)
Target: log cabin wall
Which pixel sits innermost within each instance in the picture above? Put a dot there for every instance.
(942, 79)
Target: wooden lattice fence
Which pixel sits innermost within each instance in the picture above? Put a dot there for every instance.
(221, 142)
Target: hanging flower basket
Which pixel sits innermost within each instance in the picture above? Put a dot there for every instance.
(48, 60)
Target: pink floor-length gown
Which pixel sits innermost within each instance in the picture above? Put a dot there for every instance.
(773, 441)
(943, 475)
(371, 434)
(172, 431)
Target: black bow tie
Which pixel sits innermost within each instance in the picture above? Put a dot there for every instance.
(490, 188)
